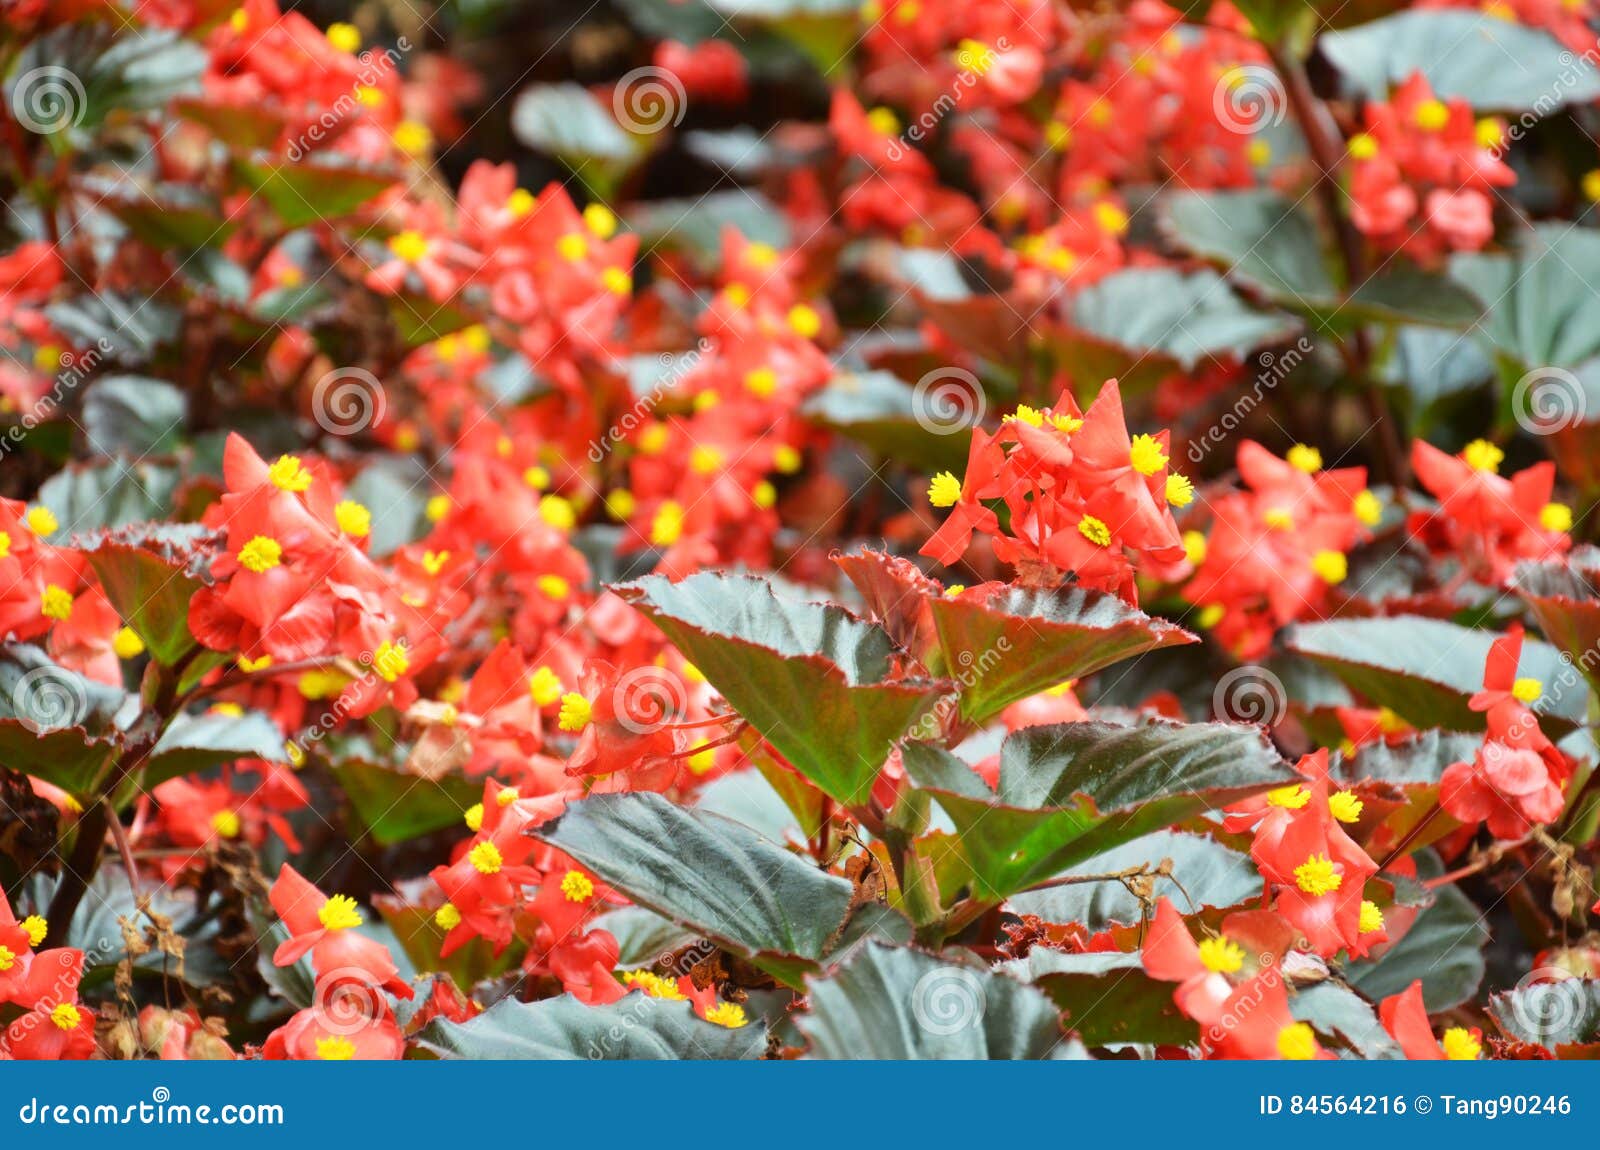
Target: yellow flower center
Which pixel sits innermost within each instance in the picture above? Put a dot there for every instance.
(1432, 115)
(1194, 547)
(1555, 517)
(486, 858)
(226, 824)
(617, 281)
(1368, 508)
(704, 460)
(785, 459)
(520, 202)
(409, 247)
(761, 382)
(434, 562)
(545, 686)
(447, 917)
(1317, 876)
(66, 1016)
(261, 554)
(352, 518)
(1278, 518)
(339, 913)
(1362, 147)
(729, 1014)
(1481, 455)
(344, 37)
(55, 603)
(505, 796)
(126, 644)
(1331, 567)
(1180, 492)
(473, 817)
(1095, 531)
(41, 521)
(804, 321)
(36, 927)
(1371, 917)
(1345, 807)
(1297, 1042)
(1146, 455)
(287, 473)
(667, 525)
(1292, 798)
(390, 661)
(437, 507)
(572, 247)
(1527, 690)
(5, 544)
(1304, 458)
(1460, 1046)
(336, 1049)
(576, 886)
(412, 138)
(1221, 955)
(654, 985)
(8, 958)
(945, 490)
(575, 712)
(558, 512)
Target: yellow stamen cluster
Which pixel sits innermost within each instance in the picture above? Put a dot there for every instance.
(1291, 798)
(1481, 455)
(41, 521)
(575, 712)
(1331, 567)
(226, 823)
(339, 913)
(409, 247)
(1180, 491)
(729, 1014)
(1304, 458)
(1371, 917)
(1146, 455)
(577, 886)
(287, 473)
(1345, 807)
(261, 554)
(390, 661)
(56, 603)
(667, 525)
(353, 518)
(1527, 690)
(37, 928)
(1095, 531)
(447, 917)
(654, 985)
(486, 858)
(945, 490)
(1460, 1045)
(1221, 955)
(545, 686)
(1297, 1042)
(1317, 876)
(1555, 517)
(66, 1016)
(1368, 508)
(336, 1049)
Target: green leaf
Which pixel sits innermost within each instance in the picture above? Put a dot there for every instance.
(134, 415)
(1425, 670)
(1564, 598)
(635, 1027)
(893, 1003)
(1013, 644)
(1561, 1012)
(890, 416)
(1187, 318)
(420, 319)
(1107, 999)
(709, 873)
(1075, 790)
(198, 742)
(810, 677)
(1494, 64)
(1342, 1016)
(150, 586)
(1443, 948)
(86, 497)
(314, 189)
(55, 724)
(395, 806)
(1416, 760)
(1264, 240)
(1544, 314)
(1204, 874)
(694, 226)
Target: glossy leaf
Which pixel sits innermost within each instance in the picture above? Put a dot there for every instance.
(813, 679)
(635, 1027)
(395, 806)
(1107, 999)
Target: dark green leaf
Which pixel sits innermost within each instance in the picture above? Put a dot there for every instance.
(395, 806)
(314, 190)
(1107, 999)
(811, 678)
(636, 1027)
(1443, 948)
(1561, 1012)
(198, 742)
(134, 415)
